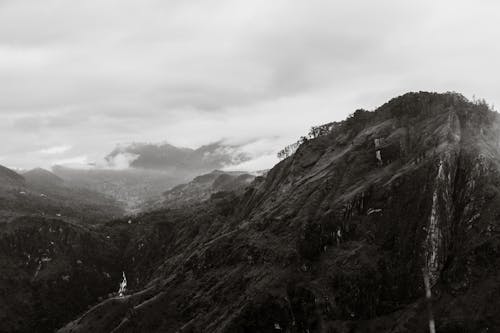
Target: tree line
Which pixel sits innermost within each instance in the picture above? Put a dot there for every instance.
(314, 132)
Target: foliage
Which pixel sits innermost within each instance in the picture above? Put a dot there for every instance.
(314, 132)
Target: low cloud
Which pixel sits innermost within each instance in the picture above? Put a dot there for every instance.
(120, 161)
(258, 163)
(55, 150)
(75, 162)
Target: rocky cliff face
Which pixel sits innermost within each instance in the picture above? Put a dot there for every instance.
(336, 238)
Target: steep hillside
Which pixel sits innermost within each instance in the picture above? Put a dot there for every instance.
(50, 270)
(51, 265)
(336, 238)
(201, 188)
(10, 178)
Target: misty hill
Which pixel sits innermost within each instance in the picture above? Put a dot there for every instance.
(132, 187)
(201, 188)
(40, 192)
(10, 178)
(336, 238)
(170, 158)
(42, 178)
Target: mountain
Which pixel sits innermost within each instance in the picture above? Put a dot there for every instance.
(42, 178)
(10, 178)
(168, 157)
(338, 237)
(55, 260)
(41, 192)
(201, 188)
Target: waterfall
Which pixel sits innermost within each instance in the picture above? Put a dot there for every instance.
(123, 286)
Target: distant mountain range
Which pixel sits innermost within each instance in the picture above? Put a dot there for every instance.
(41, 192)
(10, 178)
(132, 187)
(141, 172)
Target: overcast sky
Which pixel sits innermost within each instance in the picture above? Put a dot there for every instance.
(79, 77)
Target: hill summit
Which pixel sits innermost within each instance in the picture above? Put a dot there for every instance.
(42, 178)
(9, 177)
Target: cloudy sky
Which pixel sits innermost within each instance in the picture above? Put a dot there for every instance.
(79, 77)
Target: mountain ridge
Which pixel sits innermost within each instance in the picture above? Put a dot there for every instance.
(337, 236)
(9, 177)
(42, 178)
(139, 173)
(201, 188)
(42, 193)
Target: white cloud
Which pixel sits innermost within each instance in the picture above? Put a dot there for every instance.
(259, 163)
(55, 150)
(76, 162)
(120, 161)
(99, 72)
